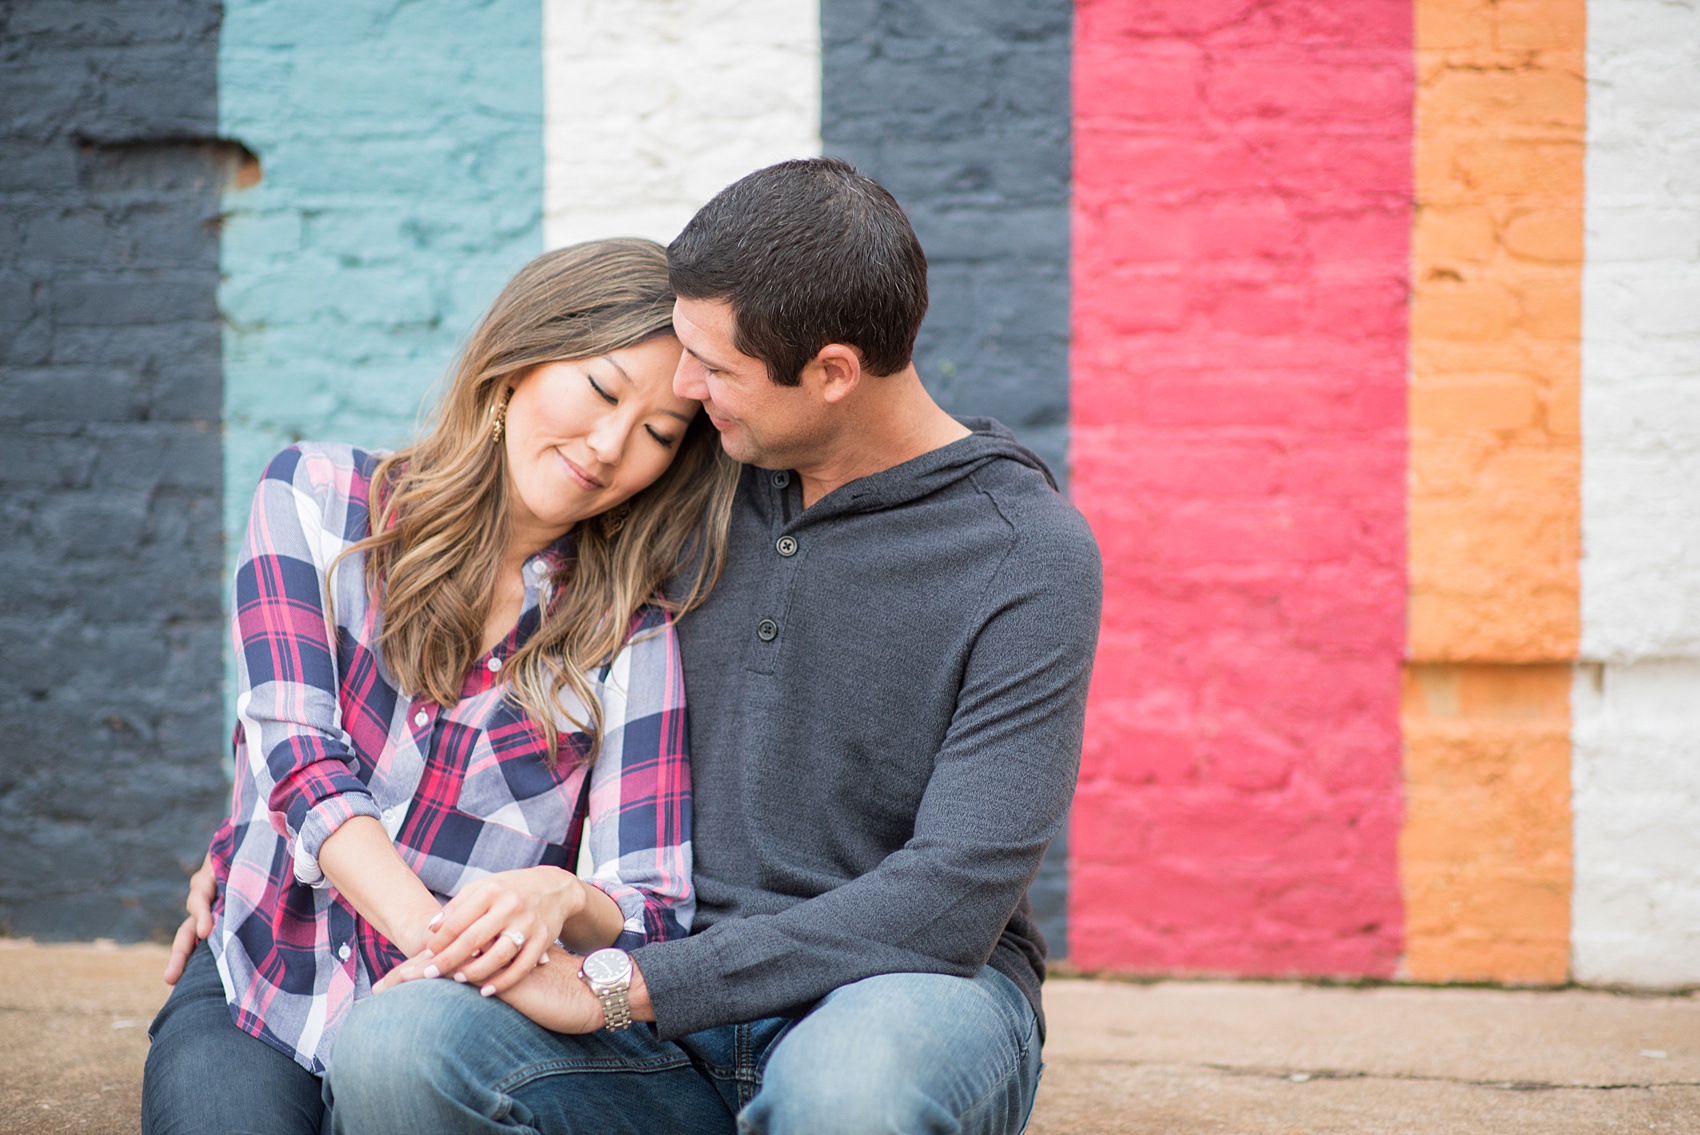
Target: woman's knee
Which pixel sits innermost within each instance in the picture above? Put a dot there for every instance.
(204, 1075)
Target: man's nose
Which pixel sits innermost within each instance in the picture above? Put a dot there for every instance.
(688, 380)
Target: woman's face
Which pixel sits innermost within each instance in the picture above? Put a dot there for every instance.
(585, 435)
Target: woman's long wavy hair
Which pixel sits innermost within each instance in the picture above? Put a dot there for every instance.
(440, 505)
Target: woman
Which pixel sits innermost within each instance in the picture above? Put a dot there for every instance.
(450, 660)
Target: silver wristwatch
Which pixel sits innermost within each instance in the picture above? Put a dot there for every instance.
(609, 975)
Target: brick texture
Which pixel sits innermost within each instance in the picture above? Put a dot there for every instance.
(1242, 220)
(1495, 488)
(643, 125)
(1637, 708)
(962, 111)
(401, 147)
(1496, 331)
(110, 476)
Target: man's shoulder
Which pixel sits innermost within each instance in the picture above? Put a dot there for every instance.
(1042, 521)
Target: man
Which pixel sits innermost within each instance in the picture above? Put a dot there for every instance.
(886, 693)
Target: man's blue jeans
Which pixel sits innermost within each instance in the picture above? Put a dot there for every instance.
(897, 1053)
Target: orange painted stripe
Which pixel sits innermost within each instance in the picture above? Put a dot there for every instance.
(1495, 513)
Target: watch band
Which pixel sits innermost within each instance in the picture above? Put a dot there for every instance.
(616, 1006)
(608, 973)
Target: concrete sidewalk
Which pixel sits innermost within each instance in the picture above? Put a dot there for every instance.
(1173, 1057)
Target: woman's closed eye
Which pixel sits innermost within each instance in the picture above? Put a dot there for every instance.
(603, 394)
(660, 437)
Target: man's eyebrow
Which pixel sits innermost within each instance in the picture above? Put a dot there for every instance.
(709, 363)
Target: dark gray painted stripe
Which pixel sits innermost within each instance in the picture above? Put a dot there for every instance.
(961, 109)
(110, 467)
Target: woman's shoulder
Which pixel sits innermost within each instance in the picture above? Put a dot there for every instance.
(326, 468)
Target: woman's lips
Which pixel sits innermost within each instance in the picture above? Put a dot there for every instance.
(578, 474)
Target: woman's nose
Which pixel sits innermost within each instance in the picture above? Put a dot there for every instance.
(608, 438)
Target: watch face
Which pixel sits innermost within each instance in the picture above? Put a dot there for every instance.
(606, 967)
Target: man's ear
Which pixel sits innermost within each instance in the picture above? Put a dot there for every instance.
(838, 369)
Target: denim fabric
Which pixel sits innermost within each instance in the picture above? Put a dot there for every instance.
(205, 1076)
(894, 1053)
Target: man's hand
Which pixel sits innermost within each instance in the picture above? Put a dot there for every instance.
(203, 892)
(552, 995)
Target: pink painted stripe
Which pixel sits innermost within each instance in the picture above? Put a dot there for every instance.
(1240, 271)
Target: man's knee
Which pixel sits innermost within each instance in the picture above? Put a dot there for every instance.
(806, 1090)
(902, 1053)
(396, 1049)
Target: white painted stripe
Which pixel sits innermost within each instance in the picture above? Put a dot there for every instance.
(1636, 776)
(1636, 766)
(652, 106)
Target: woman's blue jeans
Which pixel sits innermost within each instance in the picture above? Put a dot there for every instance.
(205, 1076)
(897, 1053)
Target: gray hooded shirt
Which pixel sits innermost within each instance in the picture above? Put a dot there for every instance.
(886, 693)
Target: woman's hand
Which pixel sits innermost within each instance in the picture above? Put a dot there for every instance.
(493, 933)
(203, 892)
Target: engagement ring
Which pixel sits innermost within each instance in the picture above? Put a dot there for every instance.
(516, 936)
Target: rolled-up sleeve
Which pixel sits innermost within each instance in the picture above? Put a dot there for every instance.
(640, 789)
(286, 669)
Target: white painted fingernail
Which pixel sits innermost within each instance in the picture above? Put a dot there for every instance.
(435, 922)
(488, 991)
(433, 971)
(543, 958)
(460, 977)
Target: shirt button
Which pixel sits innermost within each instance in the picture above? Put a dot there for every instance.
(494, 664)
(343, 952)
(767, 630)
(787, 545)
(781, 479)
(421, 718)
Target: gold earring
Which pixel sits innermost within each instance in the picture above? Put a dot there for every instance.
(499, 427)
(615, 519)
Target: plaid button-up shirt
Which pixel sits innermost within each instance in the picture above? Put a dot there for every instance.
(324, 735)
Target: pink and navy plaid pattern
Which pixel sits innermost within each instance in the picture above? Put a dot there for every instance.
(325, 735)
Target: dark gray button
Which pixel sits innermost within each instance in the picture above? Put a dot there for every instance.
(781, 479)
(767, 630)
(787, 545)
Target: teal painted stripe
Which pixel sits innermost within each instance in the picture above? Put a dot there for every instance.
(401, 148)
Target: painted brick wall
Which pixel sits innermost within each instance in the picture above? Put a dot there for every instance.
(110, 558)
(1242, 226)
(962, 111)
(654, 106)
(1636, 905)
(1495, 488)
(402, 154)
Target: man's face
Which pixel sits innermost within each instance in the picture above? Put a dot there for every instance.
(761, 422)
